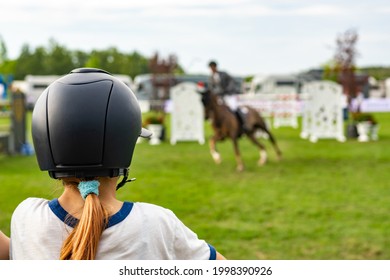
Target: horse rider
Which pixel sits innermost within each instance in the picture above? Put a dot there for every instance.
(222, 84)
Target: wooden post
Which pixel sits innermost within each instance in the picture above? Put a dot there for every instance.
(18, 122)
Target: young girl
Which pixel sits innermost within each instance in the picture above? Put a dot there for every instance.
(85, 126)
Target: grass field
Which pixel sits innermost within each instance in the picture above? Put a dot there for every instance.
(327, 200)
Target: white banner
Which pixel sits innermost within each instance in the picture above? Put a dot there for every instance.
(375, 105)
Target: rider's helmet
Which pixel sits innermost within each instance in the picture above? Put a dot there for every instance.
(85, 125)
(212, 63)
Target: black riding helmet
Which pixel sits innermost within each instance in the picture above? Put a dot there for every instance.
(85, 125)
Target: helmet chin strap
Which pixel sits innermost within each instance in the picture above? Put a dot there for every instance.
(124, 180)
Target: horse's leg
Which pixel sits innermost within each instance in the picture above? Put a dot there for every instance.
(213, 151)
(263, 151)
(261, 124)
(274, 144)
(240, 165)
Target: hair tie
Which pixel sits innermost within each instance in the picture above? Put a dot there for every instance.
(87, 187)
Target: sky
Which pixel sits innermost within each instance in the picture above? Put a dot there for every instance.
(245, 37)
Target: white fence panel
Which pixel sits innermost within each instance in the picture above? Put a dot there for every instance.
(323, 111)
(285, 110)
(280, 109)
(187, 116)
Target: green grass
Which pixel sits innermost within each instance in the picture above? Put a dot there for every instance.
(327, 200)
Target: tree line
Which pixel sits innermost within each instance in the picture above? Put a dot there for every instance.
(56, 59)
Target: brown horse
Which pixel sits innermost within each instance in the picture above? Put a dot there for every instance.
(225, 124)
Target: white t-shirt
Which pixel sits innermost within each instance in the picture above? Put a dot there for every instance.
(139, 231)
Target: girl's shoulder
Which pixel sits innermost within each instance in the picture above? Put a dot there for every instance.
(31, 203)
(152, 209)
(154, 212)
(34, 201)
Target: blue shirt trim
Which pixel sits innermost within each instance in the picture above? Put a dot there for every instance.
(213, 253)
(72, 221)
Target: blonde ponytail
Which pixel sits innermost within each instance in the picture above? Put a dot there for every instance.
(83, 241)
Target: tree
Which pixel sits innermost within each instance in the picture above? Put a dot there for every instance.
(116, 62)
(345, 59)
(138, 64)
(79, 58)
(3, 51)
(162, 75)
(30, 62)
(58, 60)
(6, 66)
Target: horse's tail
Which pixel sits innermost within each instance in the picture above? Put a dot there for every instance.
(270, 135)
(262, 125)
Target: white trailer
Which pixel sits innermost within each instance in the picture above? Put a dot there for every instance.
(274, 84)
(35, 84)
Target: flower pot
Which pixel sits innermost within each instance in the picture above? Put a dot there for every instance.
(364, 130)
(374, 132)
(156, 130)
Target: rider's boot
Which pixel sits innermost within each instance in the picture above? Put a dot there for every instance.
(242, 119)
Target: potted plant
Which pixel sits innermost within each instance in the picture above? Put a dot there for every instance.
(154, 121)
(367, 126)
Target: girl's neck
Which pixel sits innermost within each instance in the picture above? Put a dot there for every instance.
(73, 203)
